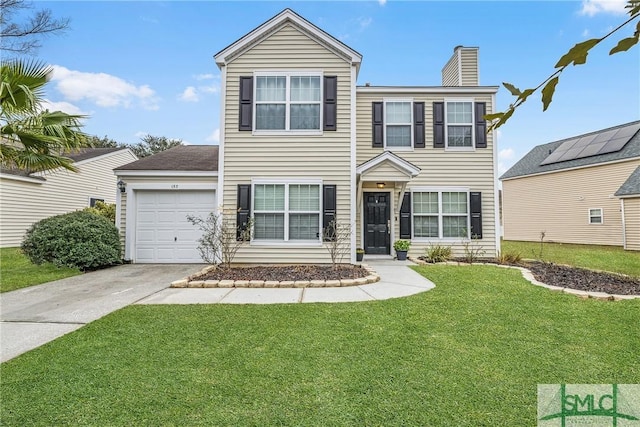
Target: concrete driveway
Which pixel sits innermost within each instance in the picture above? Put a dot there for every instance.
(33, 316)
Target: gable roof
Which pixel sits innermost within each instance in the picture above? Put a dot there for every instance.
(530, 164)
(388, 157)
(81, 155)
(244, 43)
(631, 186)
(180, 158)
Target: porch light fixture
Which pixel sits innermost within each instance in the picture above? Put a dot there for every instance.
(122, 186)
(380, 184)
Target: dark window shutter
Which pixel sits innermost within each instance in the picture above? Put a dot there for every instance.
(481, 125)
(438, 125)
(329, 211)
(418, 124)
(246, 103)
(475, 207)
(405, 217)
(244, 209)
(330, 102)
(378, 125)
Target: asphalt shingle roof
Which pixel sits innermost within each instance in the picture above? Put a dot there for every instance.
(530, 163)
(631, 186)
(180, 158)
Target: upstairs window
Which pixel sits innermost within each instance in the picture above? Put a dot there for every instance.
(595, 216)
(288, 102)
(398, 123)
(459, 124)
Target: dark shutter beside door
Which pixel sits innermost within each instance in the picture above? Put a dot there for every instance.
(480, 125)
(330, 102)
(246, 103)
(418, 124)
(244, 209)
(438, 125)
(378, 124)
(475, 207)
(405, 217)
(328, 211)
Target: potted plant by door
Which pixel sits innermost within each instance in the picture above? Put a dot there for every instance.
(359, 254)
(401, 247)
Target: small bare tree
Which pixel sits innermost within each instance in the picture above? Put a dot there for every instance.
(221, 237)
(337, 240)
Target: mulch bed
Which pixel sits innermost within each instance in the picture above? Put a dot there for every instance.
(282, 273)
(584, 280)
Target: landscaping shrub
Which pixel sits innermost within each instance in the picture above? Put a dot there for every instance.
(508, 257)
(78, 239)
(437, 253)
(107, 210)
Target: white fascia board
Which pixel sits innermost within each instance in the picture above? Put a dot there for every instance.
(266, 28)
(155, 173)
(113, 153)
(22, 178)
(388, 156)
(468, 90)
(613, 162)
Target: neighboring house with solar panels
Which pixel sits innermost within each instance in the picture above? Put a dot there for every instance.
(584, 189)
(27, 197)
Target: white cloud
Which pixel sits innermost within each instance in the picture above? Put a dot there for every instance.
(364, 22)
(213, 88)
(204, 76)
(382, 2)
(189, 95)
(102, 89)
(65, 107)
(593, 7)
(214, 137)
(585, 33)
(505, 160)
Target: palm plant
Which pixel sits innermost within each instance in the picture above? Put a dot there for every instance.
(33, 139)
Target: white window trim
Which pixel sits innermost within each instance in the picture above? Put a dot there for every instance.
(446, 125)
(601, 216)
(441, 215)
(384, 121)
(286, 182)
(287, 102)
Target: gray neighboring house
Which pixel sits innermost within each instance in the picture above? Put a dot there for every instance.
(26, 198)
(629, 194)
(157, 193)
(582, 189)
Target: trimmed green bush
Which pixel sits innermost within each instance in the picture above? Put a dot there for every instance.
(78, 239)
(107, 210)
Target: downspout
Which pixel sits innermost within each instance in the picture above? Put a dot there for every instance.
(624, 225)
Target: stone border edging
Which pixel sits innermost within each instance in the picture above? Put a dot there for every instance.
(528, 275)
(372, 277)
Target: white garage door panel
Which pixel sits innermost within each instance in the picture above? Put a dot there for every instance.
(163, 233)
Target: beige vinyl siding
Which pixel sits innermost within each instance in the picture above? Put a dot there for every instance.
(24, 203)
(632, 223)
(439, 167)
(451, 72)
(469, 68)
(325, 156)
(558, 203)
(384, 172)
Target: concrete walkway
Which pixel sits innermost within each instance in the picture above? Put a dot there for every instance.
(33, 316)
(396, 280)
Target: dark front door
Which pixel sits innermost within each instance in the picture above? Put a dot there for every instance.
(376, 223)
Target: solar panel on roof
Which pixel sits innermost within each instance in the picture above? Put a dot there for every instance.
(606, 142)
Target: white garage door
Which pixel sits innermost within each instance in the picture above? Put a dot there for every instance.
(163, 234)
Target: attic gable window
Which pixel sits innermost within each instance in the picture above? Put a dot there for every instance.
(288, 102)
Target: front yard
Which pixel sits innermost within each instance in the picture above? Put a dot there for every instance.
(470, 352)
(17, 271)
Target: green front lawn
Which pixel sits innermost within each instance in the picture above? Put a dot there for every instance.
(606, 258)
(16, 271)
(468, 353)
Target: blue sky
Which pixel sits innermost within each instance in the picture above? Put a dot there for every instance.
(147, 67)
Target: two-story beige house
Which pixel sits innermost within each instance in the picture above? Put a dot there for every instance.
(302, 145)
